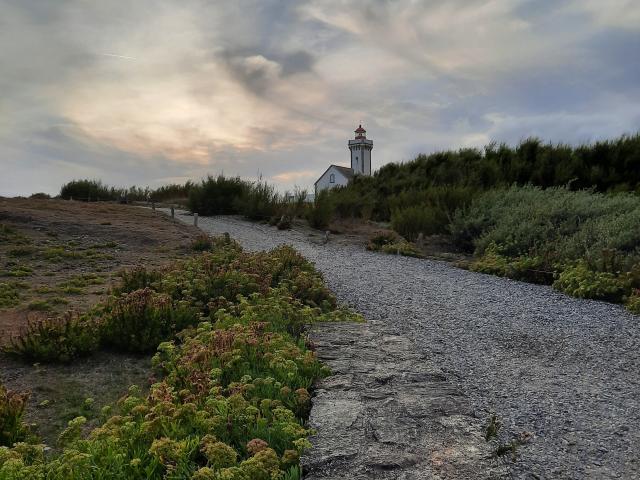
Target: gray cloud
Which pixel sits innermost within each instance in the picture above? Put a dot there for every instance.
(146, 92)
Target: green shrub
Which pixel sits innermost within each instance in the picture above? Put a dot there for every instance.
(60, 339)
(402, 248)
(59, 254)
(40, 196)
(525, 268)
(321, 212)
(22, 251)
(411, 221)
(579, 281)
(351, 203)
(10, 294)
(284, 223)
(633, 302)
(260, 201)
(39, 305)
(380, 239)
(20, 271)
(392, 243)
(140, 320)
(88, 190)
(233, 397)
(172, 192)
(12, 427)
(216, 196)
(201, 243)
(557, 222)
(136, 278)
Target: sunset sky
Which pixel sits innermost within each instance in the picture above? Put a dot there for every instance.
(151, 92)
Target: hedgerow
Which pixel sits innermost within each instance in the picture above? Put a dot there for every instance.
(234, 388)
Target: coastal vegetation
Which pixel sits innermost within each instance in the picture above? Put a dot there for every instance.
(541, 212)
(233, 371)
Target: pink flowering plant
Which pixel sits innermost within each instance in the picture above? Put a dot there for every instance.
(234, 368)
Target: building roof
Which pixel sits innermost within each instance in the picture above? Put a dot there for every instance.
(360, 129)
(346, 171)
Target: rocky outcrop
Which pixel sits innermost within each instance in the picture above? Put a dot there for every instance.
(388, 413)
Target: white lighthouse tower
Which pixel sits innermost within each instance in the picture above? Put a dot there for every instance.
(361, 152)
(339, 176)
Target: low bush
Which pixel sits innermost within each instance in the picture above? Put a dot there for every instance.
(633, 302)
(88, 190)
(580, 281)
(40, 196)
(9, 294)
(587, 241)
(402, 248)
(284, 223)
(217, 196)
(136, 278)
(260, 201)
(411, 221)
(201, 243)
(524, 268)
(563, 224)
(172, 192)
(320, 214)
(12, 427)
(60, 339)
(392, 243)
(39, 305)
(140, 320)
(380, 239)
(233, 394)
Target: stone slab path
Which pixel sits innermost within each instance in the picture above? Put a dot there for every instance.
(442, 350)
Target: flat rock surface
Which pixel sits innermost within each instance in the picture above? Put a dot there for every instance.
(442, 350)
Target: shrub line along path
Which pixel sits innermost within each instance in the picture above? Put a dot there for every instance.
(444, 348)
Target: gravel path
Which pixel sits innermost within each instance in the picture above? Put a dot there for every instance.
(563, 369)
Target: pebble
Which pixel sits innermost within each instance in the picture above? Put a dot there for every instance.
(538, 359)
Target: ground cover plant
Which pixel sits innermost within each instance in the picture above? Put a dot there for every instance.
(233, 367)
(585, 243)
(392, 243)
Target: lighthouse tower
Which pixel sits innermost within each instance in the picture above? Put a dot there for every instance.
(360, 149)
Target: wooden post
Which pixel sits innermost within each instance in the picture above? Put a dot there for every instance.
(326, 237)
(195, 219)
(173, 212)
(153, 206)
(420, 240)
(227, 238)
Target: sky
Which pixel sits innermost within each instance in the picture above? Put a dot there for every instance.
(149, 92)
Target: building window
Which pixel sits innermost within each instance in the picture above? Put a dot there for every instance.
(332, 178)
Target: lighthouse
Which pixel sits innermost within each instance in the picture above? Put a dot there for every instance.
(360, 149)
(339, 176)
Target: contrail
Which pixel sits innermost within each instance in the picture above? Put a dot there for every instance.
(117, 56)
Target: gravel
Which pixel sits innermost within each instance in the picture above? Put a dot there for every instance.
(562, 369)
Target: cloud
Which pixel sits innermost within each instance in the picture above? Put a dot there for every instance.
(138, 92)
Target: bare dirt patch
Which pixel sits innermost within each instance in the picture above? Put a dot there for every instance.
(58, 255)
(63, 255)
(346, 232)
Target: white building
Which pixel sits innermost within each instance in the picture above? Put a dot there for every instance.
(337, 176)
